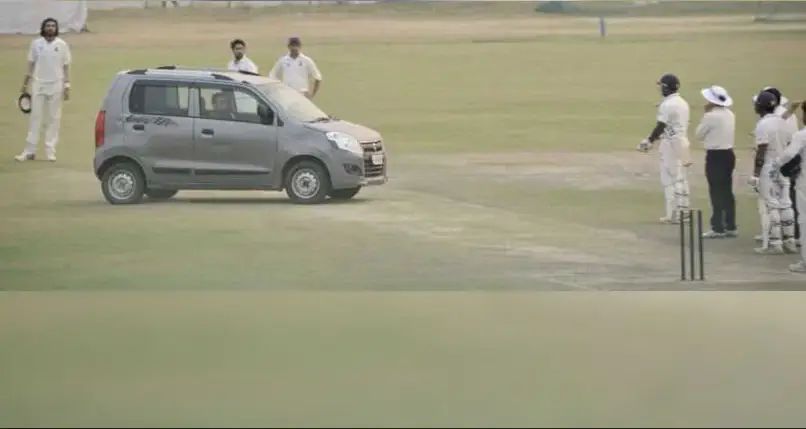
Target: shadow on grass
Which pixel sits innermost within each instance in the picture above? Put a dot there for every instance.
(268, 201)
(211, 201)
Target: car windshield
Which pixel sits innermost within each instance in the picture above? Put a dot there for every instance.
(295, 104)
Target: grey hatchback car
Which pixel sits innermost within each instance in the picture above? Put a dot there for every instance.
(166, 129)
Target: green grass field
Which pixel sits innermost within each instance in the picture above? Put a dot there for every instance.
(511, 139)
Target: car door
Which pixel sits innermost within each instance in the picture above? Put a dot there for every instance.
(159, 125)
(235, 146)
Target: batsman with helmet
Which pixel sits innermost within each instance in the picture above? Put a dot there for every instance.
(671, 129)
(773, 135)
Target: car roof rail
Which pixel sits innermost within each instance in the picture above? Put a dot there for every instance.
(215, 73)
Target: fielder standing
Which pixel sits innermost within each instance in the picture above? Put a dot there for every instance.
(240, 62)
(49, 67)
(772, 137)
(797, 147)
(297, 70)
(717, 131)
(671, 129)
(791, 124)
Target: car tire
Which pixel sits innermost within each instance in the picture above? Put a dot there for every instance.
(161, 194)
(123, 183)
(344, 194)
(307, 182)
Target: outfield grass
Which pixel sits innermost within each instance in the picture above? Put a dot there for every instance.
(510, 139)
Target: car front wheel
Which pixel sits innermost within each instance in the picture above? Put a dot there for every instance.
(307, 182)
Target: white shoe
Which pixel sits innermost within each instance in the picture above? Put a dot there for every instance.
(669, 220)
(791, 247)
(772, 250)
(732, 233)
(25, 157)
(799, 267)
(51, 158)
(714, 234)
(758, 238)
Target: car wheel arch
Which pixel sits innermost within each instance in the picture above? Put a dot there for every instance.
(117, 159)
(299, 158)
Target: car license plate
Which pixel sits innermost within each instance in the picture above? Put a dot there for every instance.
(377, 159)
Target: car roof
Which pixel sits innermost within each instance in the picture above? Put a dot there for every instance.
(206, 74)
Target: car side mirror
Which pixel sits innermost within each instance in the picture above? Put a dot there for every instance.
(266, 115)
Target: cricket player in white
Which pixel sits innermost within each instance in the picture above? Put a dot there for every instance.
(297, 70)
(49, 66)
(240, 62)
(797, 148)
(772, 137)
(671, 129)
(792, 127)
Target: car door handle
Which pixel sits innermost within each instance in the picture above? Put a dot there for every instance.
(139, 127)
(208, 131)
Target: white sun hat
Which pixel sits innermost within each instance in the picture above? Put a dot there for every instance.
(717, 95)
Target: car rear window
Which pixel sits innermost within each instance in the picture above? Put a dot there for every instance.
(159, 98)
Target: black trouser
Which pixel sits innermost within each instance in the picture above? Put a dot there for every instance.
(794, 197)
(719, 165)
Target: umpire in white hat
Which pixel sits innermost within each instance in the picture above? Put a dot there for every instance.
(717, 132)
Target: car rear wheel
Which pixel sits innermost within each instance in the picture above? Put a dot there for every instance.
(123, 183)
(161, 194)
(307, 182)
(344, 194)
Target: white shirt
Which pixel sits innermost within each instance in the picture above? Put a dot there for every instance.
(717, 129)
(296, 72)
(49, 60)
(797, 147)
(245, 64)
(674, 112)
(772, 131)
(791, 122)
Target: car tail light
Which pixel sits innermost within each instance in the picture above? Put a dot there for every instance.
(100, 128)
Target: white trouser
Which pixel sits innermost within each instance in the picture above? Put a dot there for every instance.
(674, 177)
(778, 226)
(45, 107)
(800, 196)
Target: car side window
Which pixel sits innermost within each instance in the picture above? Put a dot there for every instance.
(159, 98)
(231, 104)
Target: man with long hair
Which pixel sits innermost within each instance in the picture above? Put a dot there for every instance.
(49, 78)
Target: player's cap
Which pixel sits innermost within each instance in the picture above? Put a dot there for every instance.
(294, 41)
(717, 95)
(24, 103)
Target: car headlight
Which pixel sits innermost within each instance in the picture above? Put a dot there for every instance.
(345, 142)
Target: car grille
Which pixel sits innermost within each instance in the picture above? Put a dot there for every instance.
(370, 149)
